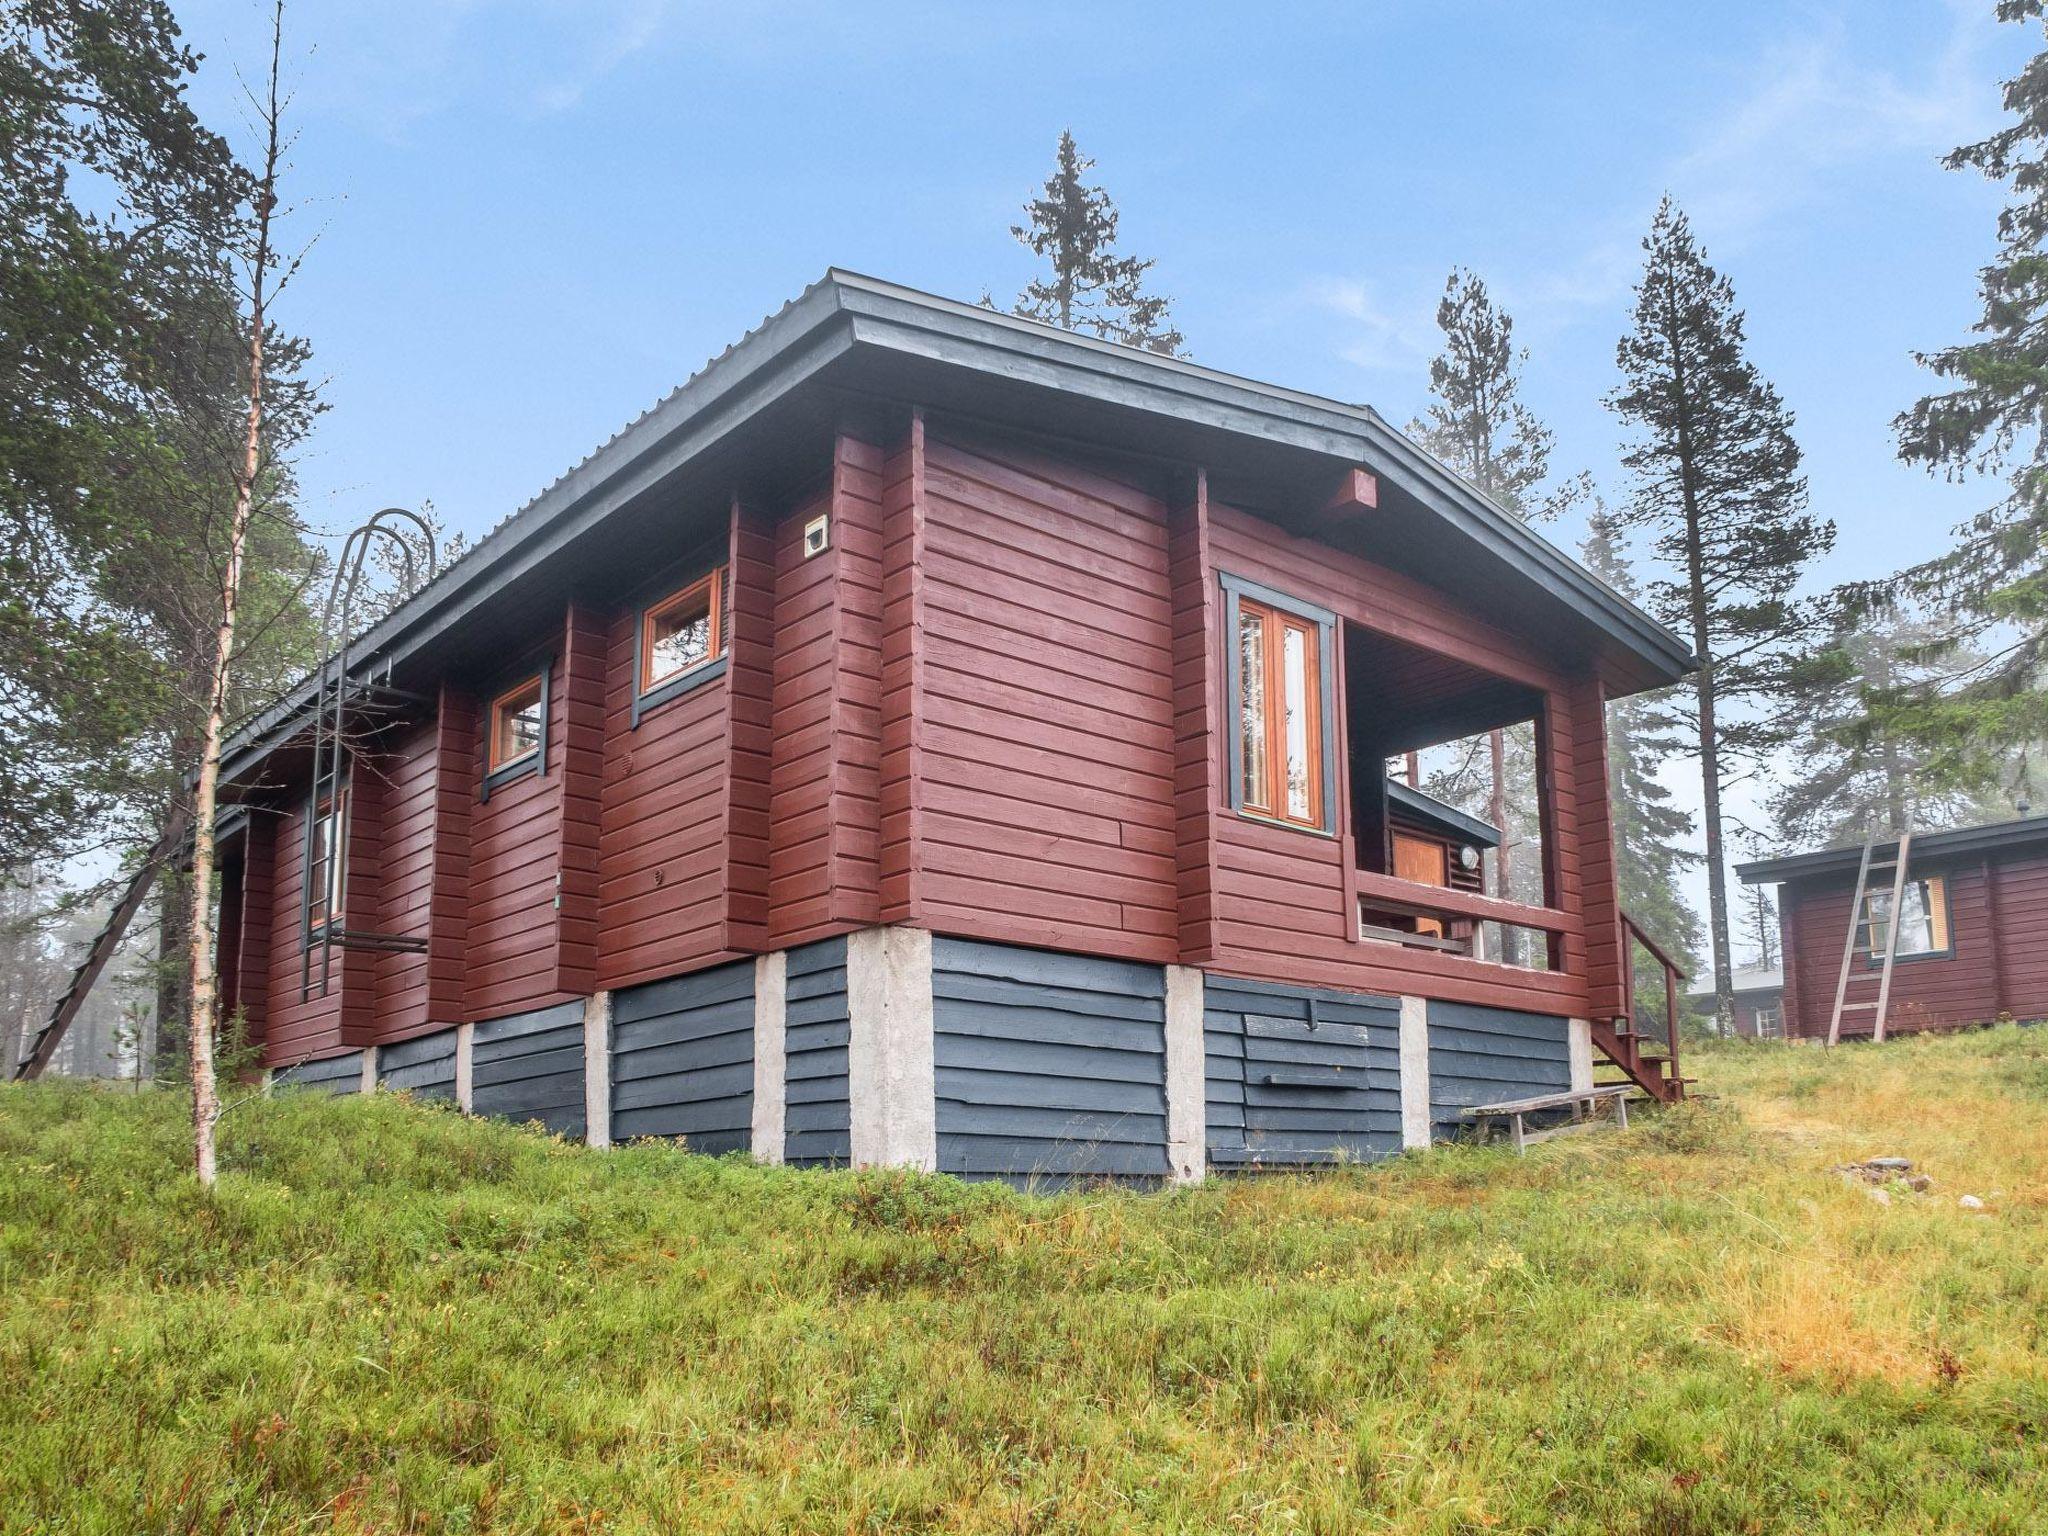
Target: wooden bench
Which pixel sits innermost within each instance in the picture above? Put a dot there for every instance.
(1585, 1106)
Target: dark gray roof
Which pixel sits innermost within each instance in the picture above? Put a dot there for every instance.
(1449, 817)
(1959, 843)
(851, 336)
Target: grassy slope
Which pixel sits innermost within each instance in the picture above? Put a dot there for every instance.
(391, 1319)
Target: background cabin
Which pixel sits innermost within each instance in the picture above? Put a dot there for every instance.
(1973, 929)
(1759, 1002)
(929, 737)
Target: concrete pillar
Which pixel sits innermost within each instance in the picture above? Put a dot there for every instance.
(1187, 1089)
(891, 1083)
(369, 1084)
(597, 1069)
(771, 1056)
(465, 1041)
(1415, 1126)
(1579, 1051)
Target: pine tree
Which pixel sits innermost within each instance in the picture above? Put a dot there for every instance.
(1477, 424)
(120, 357)
(1992, 587)
(1651, 833)
(1479, 427)
(1091, 288)
(1717, 481)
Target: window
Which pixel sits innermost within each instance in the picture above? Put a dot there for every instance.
(1770, 1022)
(327, 871)
(518, 724)
(1278, 671)
(1923, 920)
(682, 632)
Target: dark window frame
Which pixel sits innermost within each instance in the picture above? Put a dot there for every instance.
(1237, 590)
(534, 762)
(690, 679)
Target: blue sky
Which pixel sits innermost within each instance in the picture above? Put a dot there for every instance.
(536, 217)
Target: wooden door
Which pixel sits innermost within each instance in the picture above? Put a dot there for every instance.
(1425, 862)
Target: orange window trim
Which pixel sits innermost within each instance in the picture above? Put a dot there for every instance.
(714, 606)
(1276, 625)
(494, 742)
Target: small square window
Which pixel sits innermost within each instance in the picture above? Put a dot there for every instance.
(681, 632)
(517, 726)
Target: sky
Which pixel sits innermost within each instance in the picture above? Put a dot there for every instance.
(531, 219)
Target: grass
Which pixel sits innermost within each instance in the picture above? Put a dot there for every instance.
(391, 1319)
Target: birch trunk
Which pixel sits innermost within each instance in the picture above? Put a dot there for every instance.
(202, 974)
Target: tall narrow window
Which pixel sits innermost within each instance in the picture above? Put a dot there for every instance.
(1280, 714)
(516, 724)
(682, 632)
(328, 872)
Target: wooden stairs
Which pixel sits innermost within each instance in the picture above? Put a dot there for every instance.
(1647, 1062)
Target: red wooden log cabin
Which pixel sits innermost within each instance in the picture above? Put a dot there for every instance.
(1973, 930)
(932, 737)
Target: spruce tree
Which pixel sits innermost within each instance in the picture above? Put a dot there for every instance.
(1717, 483)
(1852, 770)
(1092, 288)
(1651, 832)
(1992, 587)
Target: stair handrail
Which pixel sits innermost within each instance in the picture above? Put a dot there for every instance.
(1674, 973)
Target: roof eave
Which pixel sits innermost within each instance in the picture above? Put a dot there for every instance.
(844, 311)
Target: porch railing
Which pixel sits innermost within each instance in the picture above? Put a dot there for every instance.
(1379, 896)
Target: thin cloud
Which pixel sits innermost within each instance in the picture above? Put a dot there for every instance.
(634, 27)
(1378, 335)
(1813, 115)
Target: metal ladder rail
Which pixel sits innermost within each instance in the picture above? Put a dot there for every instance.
(330, 705)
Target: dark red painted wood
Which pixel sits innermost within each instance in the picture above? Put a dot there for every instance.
(1997, 964)
(901, 788)
(1047, 703)
(1198, 789)
(585, 648)
(661, 849)
(514, 857)
(252, 960)
(408, 781)
(992, 706)
(750, 737)
(458, 727)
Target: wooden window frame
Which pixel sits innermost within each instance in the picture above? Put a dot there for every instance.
(1940, 923)
(650, 691)
(1282, 613)
(498, 774)
(327, 903)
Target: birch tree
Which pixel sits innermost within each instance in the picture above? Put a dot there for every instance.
(261, 267)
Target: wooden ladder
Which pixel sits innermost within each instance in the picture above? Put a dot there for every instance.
(1857, 924)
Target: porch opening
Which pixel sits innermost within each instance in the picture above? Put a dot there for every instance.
(1425, 810)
